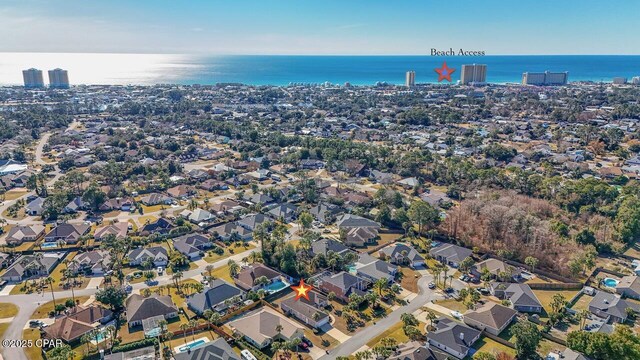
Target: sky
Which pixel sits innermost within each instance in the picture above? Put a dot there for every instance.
(349, 27)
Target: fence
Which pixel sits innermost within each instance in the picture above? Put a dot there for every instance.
(555, 286)
(498, 339)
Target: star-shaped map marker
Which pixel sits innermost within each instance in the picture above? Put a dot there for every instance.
(302, 290)
(444, 72)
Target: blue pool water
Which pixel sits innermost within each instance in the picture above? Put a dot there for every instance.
(49, 245)
(351, 268)
(609, 282)
(192, 345)
(276, 286)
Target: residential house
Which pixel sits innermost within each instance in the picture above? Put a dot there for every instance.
(21, 233)
(372, 269)
(323, 246)
(246, 278)
(118, 230)
(325, 212)
(140, 308)
(27, 266)
(402, 254)
(226, 207)
(360, 236)
(349, 221)
(250, 222)
(496, 268)
(192, 245)
(152, 199)
(122, 204)
(74, 206)
(435, 198)
(287, 212)
(156, 254)
(145, 353)
(414, 350)
(94, 262)
(450, 254)
(230, 230)
(181, 191)
(629, 286)
(307, 311)
(343, 284)
(261, 327)
(611, 307)
(69, 233)
(77, 322)
(197, 216)
(217, 349)
(218, 296)
(160, 226)
(490, 317)
(453, 337)
(35, 207)
(520, 296)
(262, 199)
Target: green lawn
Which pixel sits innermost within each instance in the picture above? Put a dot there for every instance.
(545, 296)
(43, 310)
(493, 347)
(8, 310)
(395, 332)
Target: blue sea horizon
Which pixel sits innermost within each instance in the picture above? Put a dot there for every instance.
(146, 69)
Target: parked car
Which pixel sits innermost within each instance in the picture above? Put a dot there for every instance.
(432, 285)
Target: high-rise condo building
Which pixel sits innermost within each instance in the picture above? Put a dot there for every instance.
(410, 80)
(32, 78)
(473, 74)
(635, 80)
(619, 80)
(545, 78)
(58, 79)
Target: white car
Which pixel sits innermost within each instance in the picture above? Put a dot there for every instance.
(456, 314)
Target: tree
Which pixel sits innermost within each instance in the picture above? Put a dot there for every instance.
(234, 268)
(558, 303)
(532, 262)
(63, 352)
(113, 297)
(482, 355)
(408, 319)
(305, 220)
(423, 214)
(527, 338)
(466, 264)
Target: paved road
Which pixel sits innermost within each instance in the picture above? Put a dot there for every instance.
(28, 303)
(365, 335)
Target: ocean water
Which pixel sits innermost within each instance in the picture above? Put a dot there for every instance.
(282, 70)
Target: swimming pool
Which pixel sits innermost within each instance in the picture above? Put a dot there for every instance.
(609, 282)
(276, 286)
(49, 245)
(100, 337)
(191, 345)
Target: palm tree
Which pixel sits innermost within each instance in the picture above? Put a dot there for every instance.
(176, 278)
(209, 269)
(380, 286)
(86, 339)
(193, 324)
(431, 316)
(279, 329)
(112, 333)
(184, 327)
(49, 281)
(234, 268)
